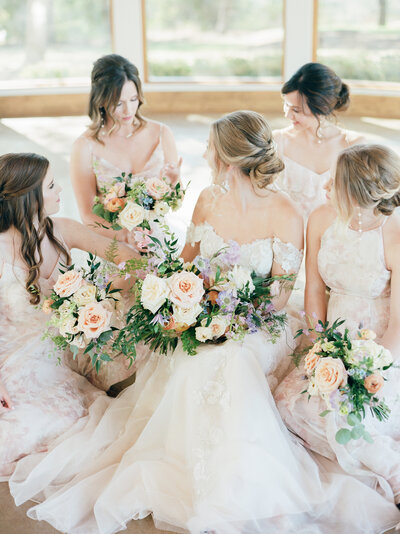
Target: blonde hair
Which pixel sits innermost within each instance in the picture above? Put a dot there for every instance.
(243, 139)
(367, 176)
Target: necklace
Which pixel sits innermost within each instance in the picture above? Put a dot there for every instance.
(371, 226)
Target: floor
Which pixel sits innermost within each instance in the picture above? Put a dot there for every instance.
(53, 137)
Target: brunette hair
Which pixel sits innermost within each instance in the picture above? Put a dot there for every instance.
(321, 87)
(109, 75)
(244, 139)
(21, 207)
(369, 176)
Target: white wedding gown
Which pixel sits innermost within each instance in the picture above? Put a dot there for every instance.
(198, 443)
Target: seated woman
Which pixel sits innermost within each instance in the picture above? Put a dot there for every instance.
(197, 441)
(39, 399)
(353, 247)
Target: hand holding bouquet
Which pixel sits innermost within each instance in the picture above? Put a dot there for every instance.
(347, 374)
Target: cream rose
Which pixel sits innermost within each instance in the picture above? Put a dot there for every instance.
(186, 289)
(218, 325)
(155, 291)
(241, 276)
(312, 388)
(132, 215)
(94, 319)
(68, 326)
(312, 358)
(68, 283)
(183, 316)
(157, 188)
(85, 294)
(366, 333)
(369, 349)
(161, 209)
(330, 374)
(203, 333)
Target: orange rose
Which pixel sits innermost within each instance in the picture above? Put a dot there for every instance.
(46, 306)
(115, 204)
(93, 319)
(373, 383)
(312, 358)
(68, 283)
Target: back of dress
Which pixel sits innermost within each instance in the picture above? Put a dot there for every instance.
(352, 265)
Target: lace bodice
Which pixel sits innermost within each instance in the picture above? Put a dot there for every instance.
(105, 171)
(352, 265)
(257, 256)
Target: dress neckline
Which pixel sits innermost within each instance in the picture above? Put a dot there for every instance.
(260, 239)
(304, 167)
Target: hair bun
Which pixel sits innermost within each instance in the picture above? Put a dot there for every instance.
(343, 99)
(388, 205)
(267, 167)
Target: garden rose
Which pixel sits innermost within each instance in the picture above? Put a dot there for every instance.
(312, 358)
(330, 374)
(115, 204)
(369, 349)
(46, 306)
(157, 188)
(132, 215)
(68, 283)
(218, 325)
(186, 316)
(186, 289)
(203, 333)
(85, 294)
(68, 326)
(161, 209)
(119, 189)
(373, 383)
(155, 291)
(241, 276)
(94, 319)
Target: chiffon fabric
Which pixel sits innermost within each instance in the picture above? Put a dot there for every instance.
(352, 265)
(198, 443)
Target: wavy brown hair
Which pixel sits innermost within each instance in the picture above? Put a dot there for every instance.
(21, 207)
(109, 75)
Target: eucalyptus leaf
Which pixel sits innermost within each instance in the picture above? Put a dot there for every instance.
(343, 436)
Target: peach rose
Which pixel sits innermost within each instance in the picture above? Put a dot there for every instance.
(46, 306)
(330, 374)
(93, 319)
(68, 283)
(157, 188)
(212, 296)
(373, 383)
(312, 358)
(115, 204)
(366, 333)
(173, 325)
(186, 289)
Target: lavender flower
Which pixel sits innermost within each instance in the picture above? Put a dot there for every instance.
(227, 301)
(319, 328)
(250, 324)
(159, 319)
(231, 254)
(203, 265)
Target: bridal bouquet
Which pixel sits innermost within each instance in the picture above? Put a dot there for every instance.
(137, 204)
(205, 301)
(347, 374)
(83, 307)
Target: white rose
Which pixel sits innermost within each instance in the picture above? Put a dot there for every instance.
(367, 348)
(186, 289)
(188, 317)
(240, 276)
(161, 209)
(203, 333)
(131, 216)
(68, 326)
(85, 294)
(218, 325)
(154, 293)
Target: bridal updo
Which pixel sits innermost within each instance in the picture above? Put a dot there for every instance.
(243, 139)
(367, 176)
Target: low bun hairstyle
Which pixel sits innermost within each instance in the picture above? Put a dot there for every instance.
(244, 140)
(367, 176)
(109, 75)
(323, 90)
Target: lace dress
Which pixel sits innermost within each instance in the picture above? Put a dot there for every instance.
(353, 266)
(48, 397)
(198, 443)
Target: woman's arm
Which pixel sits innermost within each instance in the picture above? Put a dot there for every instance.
(391, 338)
(172, 167)
(84, 185)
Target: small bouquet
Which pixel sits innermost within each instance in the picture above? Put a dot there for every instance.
(137, 204)
(347, 374)
(83, 307)
(205, 301)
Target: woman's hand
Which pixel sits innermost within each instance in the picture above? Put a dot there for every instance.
(5, 401)
(172, 171)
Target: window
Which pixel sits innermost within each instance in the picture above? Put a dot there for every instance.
(360, 40)
(51, 42)
(203, 40)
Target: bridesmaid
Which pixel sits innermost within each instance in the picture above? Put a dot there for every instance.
(119, 139)
(39, 399)
(353, 247)
(312, 142)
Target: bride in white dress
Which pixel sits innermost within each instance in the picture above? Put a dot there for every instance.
(197, 441)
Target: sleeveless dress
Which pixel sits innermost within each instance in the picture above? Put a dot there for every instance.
(48, 397)
(198, 443)
(116, 374)
(353, 266)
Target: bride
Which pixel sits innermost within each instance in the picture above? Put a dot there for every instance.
(197, 441)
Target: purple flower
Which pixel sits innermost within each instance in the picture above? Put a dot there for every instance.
(231, 255)
(121, 265)
(227, 301)
(319, 328)
(203, 265)
(159, 319)
(306, 332)
(250, 324)
(127, 276)
(302, 313)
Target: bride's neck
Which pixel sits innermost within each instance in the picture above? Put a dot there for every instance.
(240, 187)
